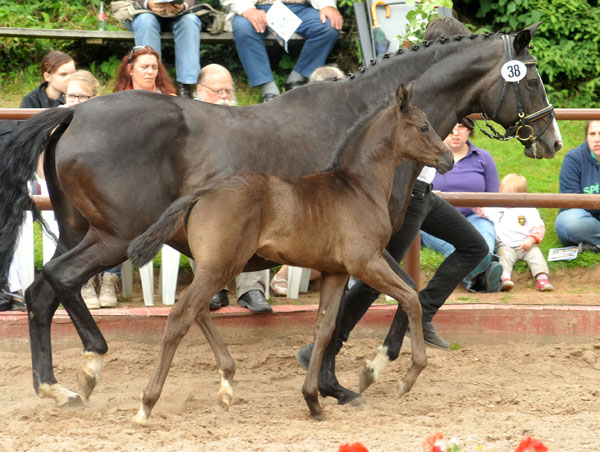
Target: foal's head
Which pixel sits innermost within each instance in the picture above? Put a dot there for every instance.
(415, 138)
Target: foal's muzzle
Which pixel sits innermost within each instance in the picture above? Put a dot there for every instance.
(444, 162)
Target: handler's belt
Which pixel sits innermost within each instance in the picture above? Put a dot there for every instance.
(421, 189)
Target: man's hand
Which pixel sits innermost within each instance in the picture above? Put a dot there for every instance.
(159, 8)
(334, 16)
(257, 17)
(173, 9)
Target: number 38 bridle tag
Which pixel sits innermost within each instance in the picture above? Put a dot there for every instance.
(513, 71)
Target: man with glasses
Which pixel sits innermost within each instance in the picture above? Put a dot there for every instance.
(215, 86)
(171, 16)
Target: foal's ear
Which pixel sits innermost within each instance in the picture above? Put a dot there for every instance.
(403, 96)
(523, 38)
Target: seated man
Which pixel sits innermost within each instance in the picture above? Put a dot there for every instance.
(186, 30)
(321, 25)
(215, 86)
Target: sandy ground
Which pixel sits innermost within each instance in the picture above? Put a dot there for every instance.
(487, 396)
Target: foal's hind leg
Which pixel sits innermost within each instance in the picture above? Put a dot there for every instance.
(380, 276)
(225, 363)
(332, 287)
(195, 298)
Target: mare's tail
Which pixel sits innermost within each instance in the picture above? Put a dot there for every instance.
(148, 244)
(18, 163)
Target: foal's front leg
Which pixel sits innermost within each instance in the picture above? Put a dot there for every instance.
(332, 288)
(381, 277)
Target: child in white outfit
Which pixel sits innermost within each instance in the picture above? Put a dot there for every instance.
(519, 232)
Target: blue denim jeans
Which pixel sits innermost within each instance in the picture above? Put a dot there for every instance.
(487, 231)
(574, 226)
(186, 31)
(250, 45)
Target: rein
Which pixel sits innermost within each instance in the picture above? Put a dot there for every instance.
(521, 126)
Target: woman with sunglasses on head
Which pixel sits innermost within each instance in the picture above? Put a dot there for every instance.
(56, 67)
(141, 68)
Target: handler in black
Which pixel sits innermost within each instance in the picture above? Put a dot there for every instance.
(434, 215)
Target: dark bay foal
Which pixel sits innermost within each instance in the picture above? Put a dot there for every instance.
(337, 222)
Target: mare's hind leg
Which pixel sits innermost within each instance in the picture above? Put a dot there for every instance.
(332, 288)
(225, 363)
(378, 274)
(67, 274)
(41, 305)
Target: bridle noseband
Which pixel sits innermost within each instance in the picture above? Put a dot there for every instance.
(521, 129)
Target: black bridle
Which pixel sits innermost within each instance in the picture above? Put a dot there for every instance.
(521, 129)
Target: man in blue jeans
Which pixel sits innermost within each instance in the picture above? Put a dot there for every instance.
(321, 25)
(171, 16)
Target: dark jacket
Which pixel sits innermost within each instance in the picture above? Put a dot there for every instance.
(580, 173)
(39, 99)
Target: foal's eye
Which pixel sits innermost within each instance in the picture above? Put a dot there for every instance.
(424, 128)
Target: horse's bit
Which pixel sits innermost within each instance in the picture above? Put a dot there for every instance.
(521, 128)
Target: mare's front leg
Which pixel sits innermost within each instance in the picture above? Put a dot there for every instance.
(380, 276)
(332, 288)
(225, 363)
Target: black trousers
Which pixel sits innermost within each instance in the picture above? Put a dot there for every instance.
(434, 215)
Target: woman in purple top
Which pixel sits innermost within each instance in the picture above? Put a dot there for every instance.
(474, 171)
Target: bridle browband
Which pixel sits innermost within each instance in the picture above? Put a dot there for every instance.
(522, 124)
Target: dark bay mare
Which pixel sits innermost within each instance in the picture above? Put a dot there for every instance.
(315, 221)
(115, 163)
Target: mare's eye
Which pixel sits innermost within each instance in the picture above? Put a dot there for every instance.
(532, 83)
(424, 128)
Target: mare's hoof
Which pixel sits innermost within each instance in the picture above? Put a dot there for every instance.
(403, 388)
(354, 400)
(86, 382)
(366, 378)
(141, 418)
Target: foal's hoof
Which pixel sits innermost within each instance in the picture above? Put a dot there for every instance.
(317, 416)
(141, 418)
(403, 388)
(86, 382)
(73, 401)
(366, 378)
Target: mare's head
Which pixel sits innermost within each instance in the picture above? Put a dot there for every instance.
(415, 137)
(516, 91)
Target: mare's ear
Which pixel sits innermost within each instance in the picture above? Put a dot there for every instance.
(523, 38)
(403, 96)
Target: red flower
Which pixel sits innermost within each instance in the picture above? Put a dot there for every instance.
(354, 447)
(429, 444)
(531, 445)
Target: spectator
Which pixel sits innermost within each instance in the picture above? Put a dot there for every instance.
(580, 173)
(56, 67)
(321, 25)
(141, 69)
(186, 26)
(474, 171)
(215, 86)
(519, 230)
(81, 86)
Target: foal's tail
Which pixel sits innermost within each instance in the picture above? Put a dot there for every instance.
(18, 162)
(147, 245)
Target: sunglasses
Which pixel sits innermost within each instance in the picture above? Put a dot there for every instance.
(220, 92)
(136, 49)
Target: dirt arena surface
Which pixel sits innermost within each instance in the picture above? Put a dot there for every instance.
(487, 396)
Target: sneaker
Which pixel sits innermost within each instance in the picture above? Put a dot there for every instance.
(88, 293)
(108, 290)
(584, 246)
(507, 285)
(543, 285)
(431, 337)
(493, 278)
(12, 301)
